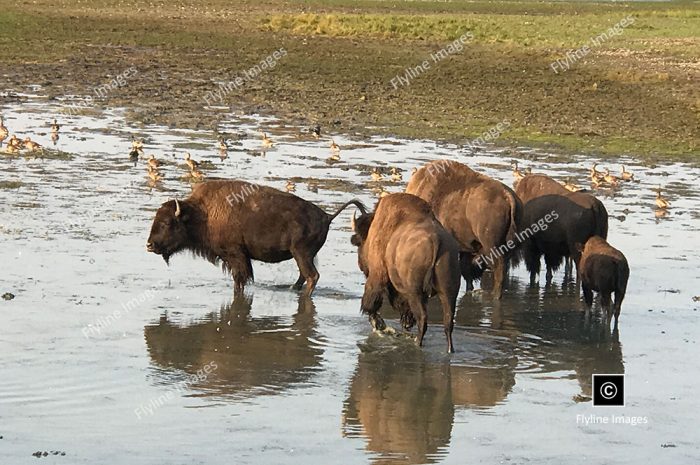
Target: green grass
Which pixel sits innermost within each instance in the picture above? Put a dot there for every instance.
(519, 30)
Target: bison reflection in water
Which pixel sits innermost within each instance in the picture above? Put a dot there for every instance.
(253, 355)
(404, 404)
(233, 222)
(551, 334)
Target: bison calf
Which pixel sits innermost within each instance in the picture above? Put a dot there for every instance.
(603, 269)
(406, 254)
(234, 222)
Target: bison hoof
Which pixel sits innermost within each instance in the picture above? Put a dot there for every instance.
(377, 323)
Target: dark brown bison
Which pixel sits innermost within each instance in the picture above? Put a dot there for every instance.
(234, 222)
(603, 269)
(576, 217)
(406, 254)
(480, 212)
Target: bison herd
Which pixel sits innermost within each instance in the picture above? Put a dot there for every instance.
(451, 223)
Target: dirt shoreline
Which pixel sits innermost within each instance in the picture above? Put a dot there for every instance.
(618, 101)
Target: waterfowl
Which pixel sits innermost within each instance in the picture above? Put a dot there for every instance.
(334, 147)
(396, 175)
(11, 149)
(137, 144)
(595, 174)
(661, 202)
(15, 142)
(610, 179)
(626, 175)
(316, 131)
(154, 175)
(517, 174)
(568, 185)
(55, 127)
(192, 164)
(291, 186)
(266, 141)
(222, 145)
(376, 175)
(153, 162)
(31, 145)
(3, 130)
(197, 175)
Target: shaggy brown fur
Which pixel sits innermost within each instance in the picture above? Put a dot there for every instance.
(603, 269)
(235, 222)
(480, 212)
(406, 254)
(580, 216)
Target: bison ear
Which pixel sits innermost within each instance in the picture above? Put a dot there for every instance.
(356, 240)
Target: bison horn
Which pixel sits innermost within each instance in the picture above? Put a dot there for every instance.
(177, 208)
(352, 222)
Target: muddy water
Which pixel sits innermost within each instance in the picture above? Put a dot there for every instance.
(109, 356)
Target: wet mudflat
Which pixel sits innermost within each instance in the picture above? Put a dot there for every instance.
(112, 357)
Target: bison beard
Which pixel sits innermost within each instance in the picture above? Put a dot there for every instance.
(267, 225)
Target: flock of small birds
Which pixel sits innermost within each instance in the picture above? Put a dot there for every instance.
(15, 145)
(598, 179)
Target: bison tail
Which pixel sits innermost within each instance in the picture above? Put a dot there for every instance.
(601, 219)
(429, 278)
(355, 202)
(516, 214)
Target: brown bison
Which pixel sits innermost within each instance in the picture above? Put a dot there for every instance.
(234, 222)
(603, 269)
(406, 253)
(577, 216)
(480, 212)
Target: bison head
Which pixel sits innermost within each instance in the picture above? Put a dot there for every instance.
(360, 228)
(169, 231)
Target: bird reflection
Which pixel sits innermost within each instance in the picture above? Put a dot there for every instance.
(253, 354)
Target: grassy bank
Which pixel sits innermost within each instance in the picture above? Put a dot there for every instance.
(633, 93)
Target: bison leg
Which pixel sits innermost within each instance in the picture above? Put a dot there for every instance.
(465, 266)
(300, 282)
(550, 275)
(587, 295)
(417, 304)
(619, 296)
(307, 269)
(499, 277)
(241, 269)
(448, 318)
(371, 303)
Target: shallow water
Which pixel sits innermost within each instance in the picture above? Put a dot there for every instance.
(104, 348)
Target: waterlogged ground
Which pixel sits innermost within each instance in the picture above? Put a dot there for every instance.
(109, 356)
